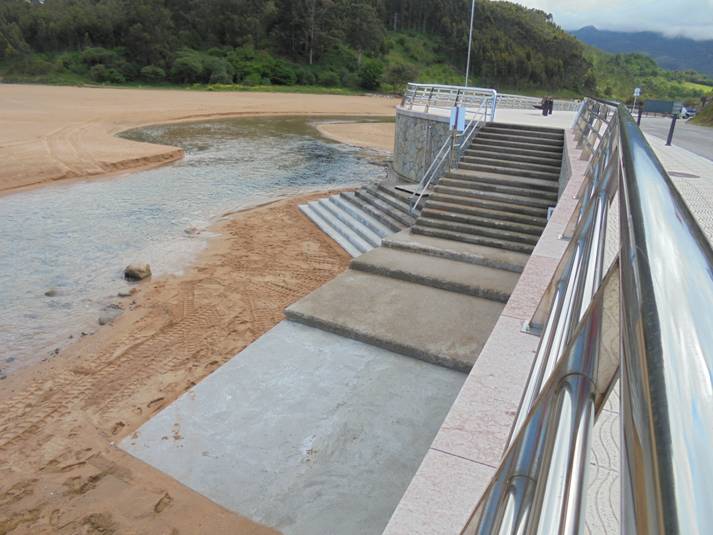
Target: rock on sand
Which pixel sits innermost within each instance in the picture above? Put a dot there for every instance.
(137, 272)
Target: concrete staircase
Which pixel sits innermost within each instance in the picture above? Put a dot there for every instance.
(501, 191)
(359, 220)
(435, 289)
(428, 298)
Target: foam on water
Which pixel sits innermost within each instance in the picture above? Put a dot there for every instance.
(77, 238)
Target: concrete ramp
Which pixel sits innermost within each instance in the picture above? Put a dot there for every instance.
(304, 431)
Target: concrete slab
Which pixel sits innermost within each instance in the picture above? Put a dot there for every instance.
(435, 325)
(452, 275)
(304, 431)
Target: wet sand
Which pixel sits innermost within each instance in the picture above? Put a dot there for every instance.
(52, 133)
(379, 136)
(60, 471)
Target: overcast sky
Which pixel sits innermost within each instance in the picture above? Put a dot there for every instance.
(691, 18)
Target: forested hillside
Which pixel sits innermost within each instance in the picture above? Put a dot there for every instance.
(674, 53)
(344, 45)
(618, 74)
(351, 43)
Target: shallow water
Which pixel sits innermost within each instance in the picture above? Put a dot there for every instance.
(76, 238)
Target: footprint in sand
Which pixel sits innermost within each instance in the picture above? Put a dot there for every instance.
(163, 503)
(118, 426)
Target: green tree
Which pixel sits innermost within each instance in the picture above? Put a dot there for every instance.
(370, 74)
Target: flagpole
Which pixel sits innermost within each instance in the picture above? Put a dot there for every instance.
(470, 41)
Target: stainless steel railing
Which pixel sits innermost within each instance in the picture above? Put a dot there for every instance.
(647, 314)
(451, 151)
(430, 97)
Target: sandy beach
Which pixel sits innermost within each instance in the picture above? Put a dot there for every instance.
(53, 133)
(59, 421)
(60, 471)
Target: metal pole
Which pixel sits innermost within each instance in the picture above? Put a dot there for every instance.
(470, 42)
(670, 131)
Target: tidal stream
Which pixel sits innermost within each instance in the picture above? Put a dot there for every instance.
(73, 240)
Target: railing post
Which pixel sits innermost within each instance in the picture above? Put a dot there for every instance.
(430, 96)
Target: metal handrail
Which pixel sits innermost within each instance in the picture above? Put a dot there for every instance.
(647, 316)
(450, 153)
(446, 96)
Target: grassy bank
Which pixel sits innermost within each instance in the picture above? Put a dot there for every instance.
(705, 117)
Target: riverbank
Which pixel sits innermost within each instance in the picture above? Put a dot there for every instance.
(379, 136)
(59, 420)
(52, 133)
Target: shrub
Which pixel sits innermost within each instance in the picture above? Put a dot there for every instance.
(220, 76)
(328, 78)
(252, 79)
(31, 64)
(152, 73)
(399, 74)
(187, 68)
(370, 74)
(98, 56)
(282, 73)
(130, 71)
(100, 73)
(351, 79)
(218, 70)
(307, 77)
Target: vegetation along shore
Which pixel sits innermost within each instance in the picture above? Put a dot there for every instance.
(341, 46)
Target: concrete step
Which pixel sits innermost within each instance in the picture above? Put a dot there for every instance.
(359, 243)
(390, 196)
(474, 239)
(353, 224)
(431, 212)
(551, 186)
(500, 188)
(478, 230)
(460, 251)
(495, 161)
(369, 197)
(553, 160)
(532, 148)
(391, 188)
(385, 219)
(505, 170)
(329, 230)
(533, 138)
(471, 279)
(431, 324)
(490, 204)
(454, 250)
(531, 202)
(480, 211)
(476, 148)
(515, 131)
(376, 226)
(525, 127)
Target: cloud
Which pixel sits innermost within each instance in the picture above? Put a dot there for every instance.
(689, 18)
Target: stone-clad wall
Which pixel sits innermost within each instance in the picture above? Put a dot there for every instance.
(419, 136)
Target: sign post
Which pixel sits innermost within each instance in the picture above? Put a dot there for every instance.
(637, 94)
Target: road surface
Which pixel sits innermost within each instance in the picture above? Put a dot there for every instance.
(698, 139)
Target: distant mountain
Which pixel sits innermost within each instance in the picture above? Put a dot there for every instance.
(674, 53)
